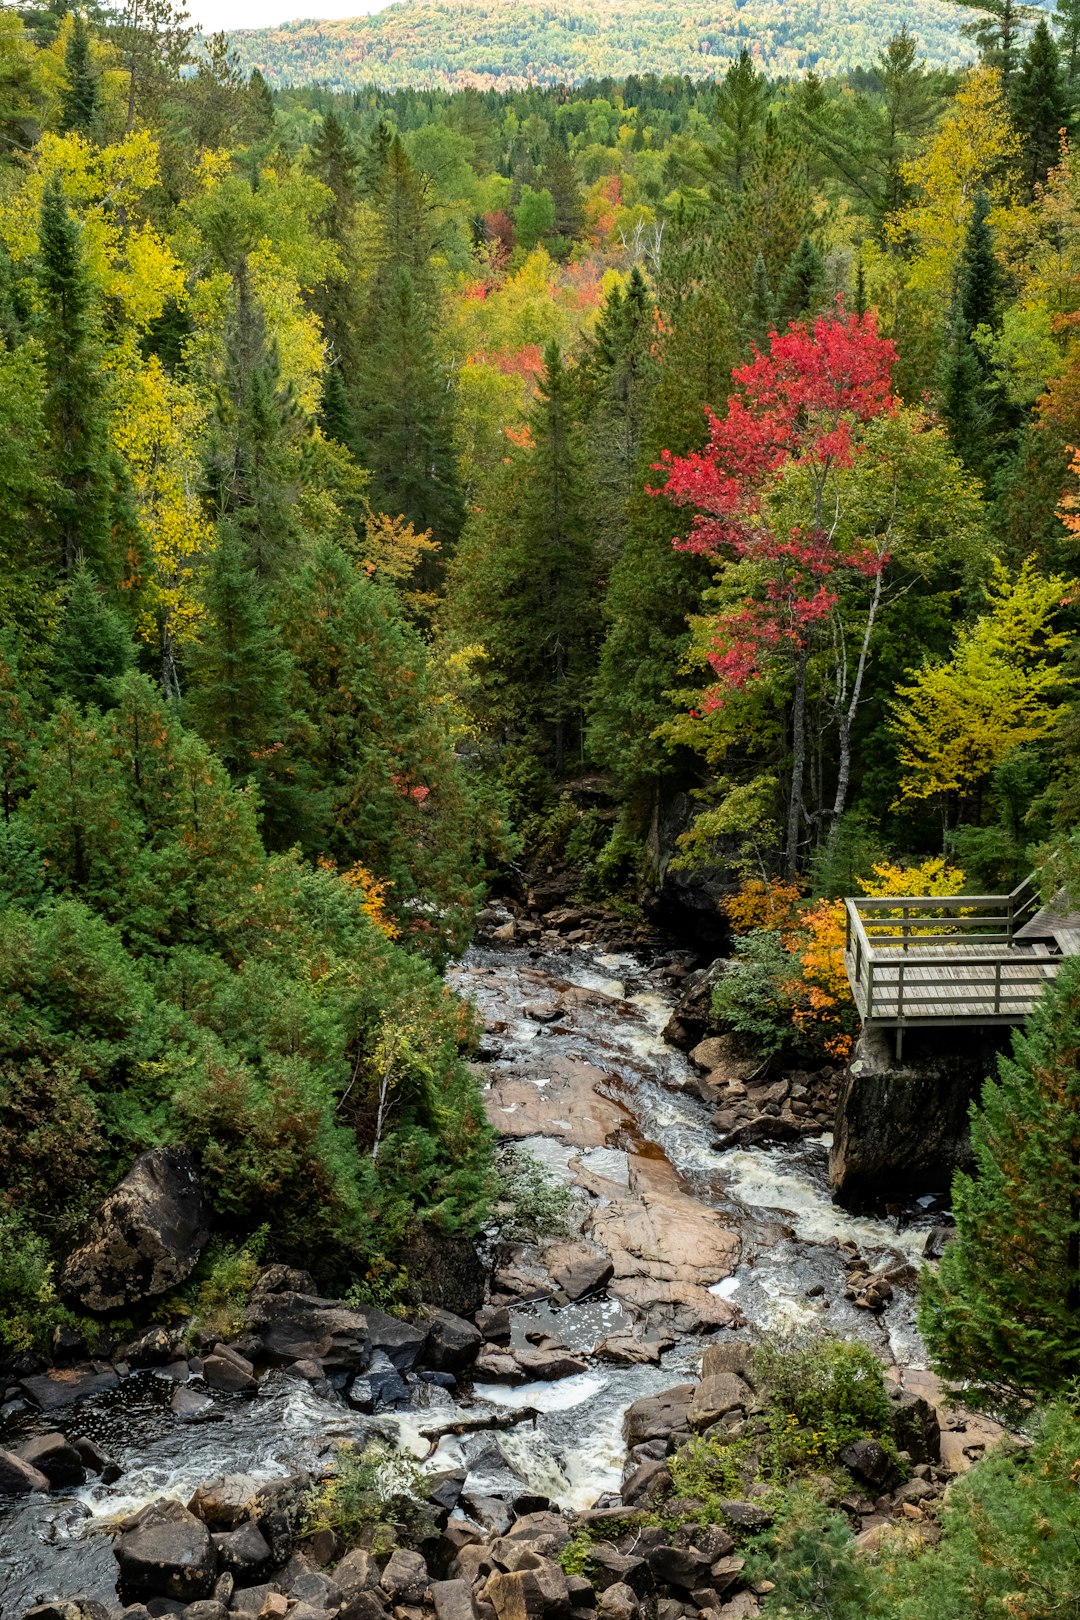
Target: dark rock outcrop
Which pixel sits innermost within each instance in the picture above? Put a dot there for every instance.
(902, 1128)
(147, 1235)
(692, 1017)
(167, 1553)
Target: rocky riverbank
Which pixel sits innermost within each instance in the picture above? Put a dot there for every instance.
(563, 1387)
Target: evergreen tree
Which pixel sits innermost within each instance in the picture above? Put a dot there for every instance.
(260, 115)
(971, 396)
(1003, 1310)
(997, 29)
(239, 670)
(93, 646)
(80, 100)
(256, 440)
(802, 286)
(334, 162)
(404, 427)
(760, 317)
(81, 461)
(616, 374)
(741, 104)
(1040, 105)
(1067, 18)
(561, 181)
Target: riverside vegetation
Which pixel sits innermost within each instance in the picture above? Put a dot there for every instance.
(664, 482)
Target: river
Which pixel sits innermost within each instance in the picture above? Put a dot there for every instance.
(633, 1124)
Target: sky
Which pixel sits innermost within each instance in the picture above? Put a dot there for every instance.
(211, 15)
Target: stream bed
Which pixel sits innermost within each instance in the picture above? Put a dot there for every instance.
(789, 1276)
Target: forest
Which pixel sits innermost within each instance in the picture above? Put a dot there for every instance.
(508, 45)
(404, 491)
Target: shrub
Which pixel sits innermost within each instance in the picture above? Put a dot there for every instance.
(377, 1486)
(753, 996)
(224, 1279)
(832, 1388)
(532, 1204)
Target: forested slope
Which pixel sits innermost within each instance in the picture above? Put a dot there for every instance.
(507, 44)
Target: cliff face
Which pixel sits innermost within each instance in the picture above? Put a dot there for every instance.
(902, 1128)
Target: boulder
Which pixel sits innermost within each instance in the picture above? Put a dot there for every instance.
(453, 1600)
(579, 1268)
(655, 1417)
(368, 1605)
(249, 1600)
(867, 1460)
(692, 1017)
(452, 1343)
(357, 1572)
(382, 1386)
(19, 1478)
(405, 1577)
(167, 1557)
(746, 1515)
(72, 1608)
(678, 1566)
(225, 1502)
(651, 1480)
(617, 1602)
(230, 1373)
(530, 1594)
(714, 1397)
(302, 1327)
(52, 1391)
(726, 1356)
(147, 1235)
(279, 1279)
(55, 1457)
(916, 1427)
(611, 1567)
(243, 1552)
(549, 1364)
(206, 1609)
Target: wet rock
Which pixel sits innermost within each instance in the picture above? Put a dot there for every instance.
(579, 1268)
(53, 1456)
(148, 1234)
(452, 1343)
(243, 1552)
(692, 1017)
(378, 1389)
(494, 1323)
(444, 1490)
(152, 1349)
(715, 1396)
(226, 1502)
(548, 1365)
(530, 1594)
(96, 1461)
(72, 1608)
(52, 1391)
(19, 1478)
(225, 1370)
(544, 1012)
(302, 1327)
(405, 1578)
(190, 1405)
(655, 1417)
(499, 1365)
(936, 1239)
(173, 1557)
(867, 1460)
(916, 1427)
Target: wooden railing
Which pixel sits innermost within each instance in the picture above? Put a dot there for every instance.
(944, 959)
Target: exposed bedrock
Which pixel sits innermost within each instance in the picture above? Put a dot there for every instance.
(902, 1128)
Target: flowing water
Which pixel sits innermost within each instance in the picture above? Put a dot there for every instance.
(790, 1277)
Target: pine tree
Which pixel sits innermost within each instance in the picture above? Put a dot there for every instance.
(93, 647)
(741, 104)
(1040, 105)
(404, 428)
(239, 674)
(971, 398)
(334, 162)
(997, 30)
(80, 99)
(81, 462)
(802, 286)
(616, 375)
(256, 439)
(1003, 1310)
(760, 317)
(259, 121)
(1067, 18)
(557, 173)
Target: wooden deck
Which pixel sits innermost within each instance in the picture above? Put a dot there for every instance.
(920, 961)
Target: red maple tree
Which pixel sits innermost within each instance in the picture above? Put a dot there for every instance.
(801, 405)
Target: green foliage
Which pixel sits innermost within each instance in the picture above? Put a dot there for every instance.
(27, 1296)
(374, 1487)
(833, 1388)
(753, 997)
(532, 1204)
(1004, 1307)
(222, 1284)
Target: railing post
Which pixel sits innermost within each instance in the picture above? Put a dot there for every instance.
(904, 928)
(900, 989)
(869, 989)
(997, 988)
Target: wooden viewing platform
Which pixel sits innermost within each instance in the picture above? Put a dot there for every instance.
(925, 960)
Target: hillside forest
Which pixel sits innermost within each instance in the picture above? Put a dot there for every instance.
(659, 484)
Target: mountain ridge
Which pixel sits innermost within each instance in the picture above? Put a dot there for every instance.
(509, 44)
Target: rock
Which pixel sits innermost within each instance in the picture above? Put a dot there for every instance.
(405, 1578)
(382, 1386)
(279, 1279)
(357, 1572)
(579, 1268)
(627, 1350)
(746, 1515)
(533, 1526)
(742, 1607)
(617, 1602)
(494, 1323)
(369, 1605)
(243, 1552)
(612, 1567)
(171, 1558)
(453, 1600)
(225, 1373)
(148, 1234)
(93, 1458)
(190, 1405)
(19, 1478)
(726, 1356)
(53, 1456)
(678, 1566)
(936, 1239)
(452, 1343)
(725, 1572)
(446, 1271)
(224, 1587)
(300, 1327)
(867, 1460)
(916, 1427)
(657, 1416)
(152, 1349)
(651, 1480)
(692, 1017)
(549, 1364)
(225, 1502)
(303, 1584)
(714, 1397)
(249, 1600)
(275, 1605)
(444, 1490)
(544, 1012)
(72, 1608)
(206, 1609)
(62, 1387)
(499, 1365)
(530, 1594)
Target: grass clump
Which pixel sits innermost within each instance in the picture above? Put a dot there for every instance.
(532, 1205)
(375, 1489)
(222, 1284)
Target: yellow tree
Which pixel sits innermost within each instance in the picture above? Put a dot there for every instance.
(957, 720)
(974, 149)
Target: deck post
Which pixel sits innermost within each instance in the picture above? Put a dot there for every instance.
(899, 1043)
(997, 987)
(869, 990)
